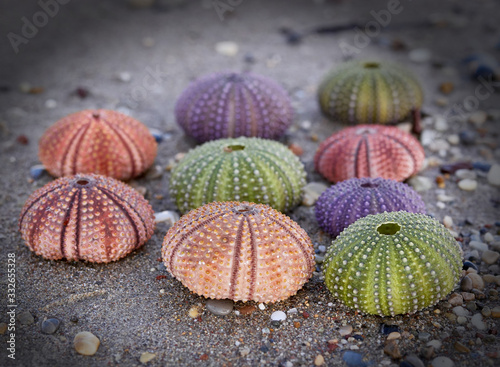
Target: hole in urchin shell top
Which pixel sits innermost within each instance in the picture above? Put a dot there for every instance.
(389, 228)
(244, 209)
(233, 148)
(371, 65)
(365, 131)
(235, 78)
(82, 182)
(95, 114)
(369, 185)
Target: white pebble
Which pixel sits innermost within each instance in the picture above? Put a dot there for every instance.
(488, 237)
(445, 198)
(493, 176)
(292, 311)
(427, 137)
(467, 184)
(420, 55)
(278, 316)
(50, 103)
(448, 221)
(262, 306)
(124, 76)
(441, 205)
(453, 139)
(166, 216)
(442, 361)
(345, 330)
(477, 321)
(86, 343)
(440, 123)
(478, 117)
(436, 344)
(226, 48)
(311, 192)
(466, 173)
(420, 183)
(480, 246)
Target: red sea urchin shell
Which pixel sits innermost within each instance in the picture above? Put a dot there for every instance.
(369, 151)
(239, 250)
(229, 105)
(86, 217)
(97, 141)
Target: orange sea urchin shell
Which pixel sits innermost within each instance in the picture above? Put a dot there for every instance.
(97, 141)
(239, 250)
(86, 217)
(369, 151)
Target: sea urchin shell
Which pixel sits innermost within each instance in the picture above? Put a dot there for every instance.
(241, 169)
(393, 263)
(86, 217)
(344, 203)
(97, 141)
(239, 250)
(369, 151)
(229, 105)
(370, 92)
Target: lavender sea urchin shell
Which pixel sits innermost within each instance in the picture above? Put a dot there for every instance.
(97, 141)
(239, 250)
(241, 169)
(346, 202)
(86, 217)
(393, 263)
(369, 151)
(229, 105)
(368, 92)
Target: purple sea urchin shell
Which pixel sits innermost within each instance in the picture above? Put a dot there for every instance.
(229, 105)
(346, 202)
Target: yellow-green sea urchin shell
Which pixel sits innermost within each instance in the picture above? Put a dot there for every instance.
(368, 92)
(393, 263)
(242, 169)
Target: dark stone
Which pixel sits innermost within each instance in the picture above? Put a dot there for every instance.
(454, 167)
(467, 137)
(387, 329)
(264, 349)
(468, 264)
(481, 166)
(353, 359)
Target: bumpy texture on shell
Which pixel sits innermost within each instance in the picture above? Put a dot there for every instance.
(229, 105)
(97, 141)
(393, 263)
(344, 203)
(239, 250)
(369, 151)
(241, 169)
(369, 92)
(86, 217)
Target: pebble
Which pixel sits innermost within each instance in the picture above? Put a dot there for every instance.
(50, 103)
(477, 117)
(441, 101)
(446, 87)
(442, 361)
(167, 216)
(394, 335)
(354, 359)
(262, 306)
(391, 348)
(493, 176)
(226, 48)
(414, 361)
(440, 123)
(486, 311)
(453, 139)
(477, 281)
(345, 330)
(477, 322)
(470, 265)
(467, 137)
(490, 257)
(424, 336)
(436, 344)
(461, 348)
(25, 318)
(37, 171)
(50, 326)
(427, 137)
(3, 328)
(445, 198)
(146, 357)
(292, 311)
(420, 183)
(278, 316)
(247, 309)
(124, 76)
(481, 166)
(86, 343)
(194, 312)
(319, 360)
(495, 312)
(488, 237)
(465, 173)
(220, 307)
(387, 329)
(477, 245)
(468, 297)
(461, 320)
(467, 184)
(460, 311)
(244, 351)
(456, 299)
(465, 284)
(447, 221)
(311, 192)
(420, 55)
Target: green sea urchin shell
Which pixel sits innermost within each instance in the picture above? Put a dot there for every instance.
(243, 169)
(368, 92)
(393, 263)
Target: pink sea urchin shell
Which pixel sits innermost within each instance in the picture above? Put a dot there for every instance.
(86, 217)
(97, 141)
(369, 151)
(229, 105)
(239, 250)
